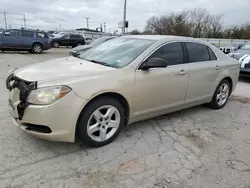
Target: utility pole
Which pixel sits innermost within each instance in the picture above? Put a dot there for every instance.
(24, 21)
(101, 27)
(59, 27)
(5, 21)
(124, 17)
(104, 26)
(87, 18)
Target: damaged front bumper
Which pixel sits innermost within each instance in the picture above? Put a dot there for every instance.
(54, 122)
(19, 91)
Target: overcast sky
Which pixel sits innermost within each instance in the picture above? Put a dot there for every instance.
(50, 14)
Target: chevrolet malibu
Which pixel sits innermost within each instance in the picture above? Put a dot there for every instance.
(116, 83)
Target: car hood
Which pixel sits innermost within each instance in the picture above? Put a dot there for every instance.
(60, 69)
(81, 47)
(239, 53)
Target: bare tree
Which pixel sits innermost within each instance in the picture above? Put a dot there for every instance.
(192, 22)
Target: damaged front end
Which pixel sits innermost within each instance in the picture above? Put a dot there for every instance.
(24, 87)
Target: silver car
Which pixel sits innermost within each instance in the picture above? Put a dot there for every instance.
(121, 81)
(238, 54)
(79, 49)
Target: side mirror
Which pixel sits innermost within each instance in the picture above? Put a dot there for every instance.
(7, 33)
(154, 63)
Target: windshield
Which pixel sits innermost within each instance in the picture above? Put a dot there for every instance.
(246, 46)
(99, 41)
(116, 53)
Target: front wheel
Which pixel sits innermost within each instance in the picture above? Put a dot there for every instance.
(101, 122)
(55, 44)
(221, 95)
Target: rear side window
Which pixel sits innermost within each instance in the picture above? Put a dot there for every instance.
(27, 33)
(172, 53)
(211, 54)
(197, 52)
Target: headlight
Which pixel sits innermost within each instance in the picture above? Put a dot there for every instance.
(47, 95)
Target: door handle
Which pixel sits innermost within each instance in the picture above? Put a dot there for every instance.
(217, 67)
(182, 72)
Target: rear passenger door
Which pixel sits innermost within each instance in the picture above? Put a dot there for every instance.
(75, 40)
(27, 39)
(203, 73)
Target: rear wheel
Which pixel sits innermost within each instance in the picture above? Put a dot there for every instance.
(221, 95)
(37, 48)
(101, 122)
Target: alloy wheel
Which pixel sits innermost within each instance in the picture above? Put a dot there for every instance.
(222, 94)
(37, 49)
(103, 123)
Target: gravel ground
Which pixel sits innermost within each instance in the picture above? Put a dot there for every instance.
(197, 147)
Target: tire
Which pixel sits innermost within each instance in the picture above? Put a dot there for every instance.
(55, 45)
(37, 48)
(221, 97)
(94, 118)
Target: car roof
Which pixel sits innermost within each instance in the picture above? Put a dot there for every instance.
(158, 37)
(168, 38)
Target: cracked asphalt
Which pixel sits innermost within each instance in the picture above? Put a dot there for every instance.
(197, 147)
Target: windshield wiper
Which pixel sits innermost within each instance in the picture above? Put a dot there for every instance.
(101, 63)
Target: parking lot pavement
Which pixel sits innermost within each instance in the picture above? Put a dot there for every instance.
(198, 147)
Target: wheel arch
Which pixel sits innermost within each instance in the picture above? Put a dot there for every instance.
(230, 80)
(36, 43)
(120, 98)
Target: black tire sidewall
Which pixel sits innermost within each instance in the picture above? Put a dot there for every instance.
(214, 104)
(87, 112)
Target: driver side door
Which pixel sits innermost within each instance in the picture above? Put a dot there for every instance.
(11, 39)
(159, 89)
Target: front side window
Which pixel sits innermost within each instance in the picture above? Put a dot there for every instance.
(11, 33)
(171, 53)
(117, 52)
(197, 52)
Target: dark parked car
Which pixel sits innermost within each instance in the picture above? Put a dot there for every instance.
(24, 40)
(68, 40)
(79, 49)
(243, 55)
